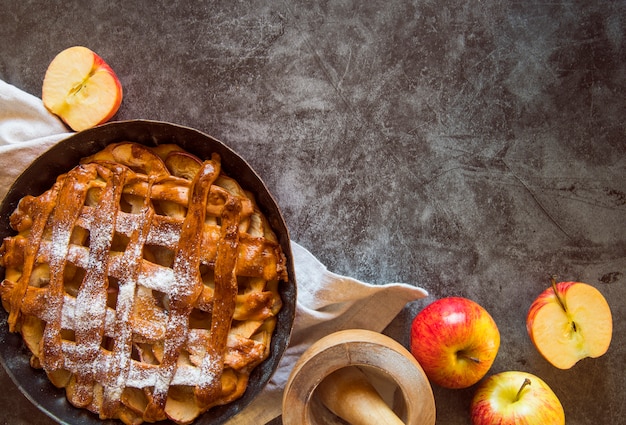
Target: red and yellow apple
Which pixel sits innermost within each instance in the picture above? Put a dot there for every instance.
(81, 88)
(515, 398)
(455, 340)
(570, 321)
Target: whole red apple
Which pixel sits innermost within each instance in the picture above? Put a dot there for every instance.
(515, 398)
(570, 321)
(455, 340)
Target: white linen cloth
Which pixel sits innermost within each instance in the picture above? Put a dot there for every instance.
(326, 303)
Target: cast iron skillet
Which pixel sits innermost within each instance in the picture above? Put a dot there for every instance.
(62, 157)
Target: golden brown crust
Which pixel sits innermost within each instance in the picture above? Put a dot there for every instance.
(145, 282)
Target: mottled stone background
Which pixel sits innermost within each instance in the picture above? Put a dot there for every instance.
(472, 148)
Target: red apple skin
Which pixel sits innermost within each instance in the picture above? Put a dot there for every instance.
(498, 400)
(99, 63)
(455, 340)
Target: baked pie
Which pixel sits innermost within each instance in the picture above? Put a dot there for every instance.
(144, 282)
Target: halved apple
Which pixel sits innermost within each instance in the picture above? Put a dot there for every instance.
(81, 88)
(570, 321)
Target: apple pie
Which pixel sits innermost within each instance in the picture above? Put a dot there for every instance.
(144, 282)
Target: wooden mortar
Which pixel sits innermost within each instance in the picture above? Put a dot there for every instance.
(335, 375)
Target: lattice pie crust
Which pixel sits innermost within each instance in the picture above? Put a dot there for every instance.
(145, 283)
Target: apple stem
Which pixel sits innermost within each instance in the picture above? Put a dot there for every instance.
(524, 384)
(559, 299)
(556, 293)
(468, 357)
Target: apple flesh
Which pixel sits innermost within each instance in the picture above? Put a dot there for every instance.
(513, 398)
(455, 340)
(568, 322)
(81, 88)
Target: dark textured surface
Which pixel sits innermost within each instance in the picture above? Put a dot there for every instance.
(472, 148)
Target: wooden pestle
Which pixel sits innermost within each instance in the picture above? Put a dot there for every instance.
(348, 394)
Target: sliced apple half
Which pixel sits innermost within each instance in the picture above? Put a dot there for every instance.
(570, 321)
(81, 88)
